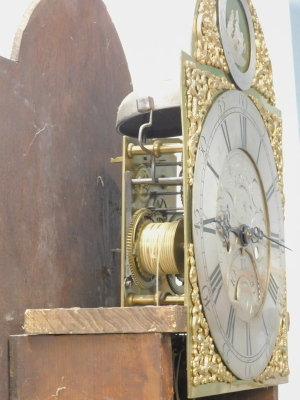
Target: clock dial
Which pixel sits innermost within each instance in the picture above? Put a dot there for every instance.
(238, 40)
(236, 194)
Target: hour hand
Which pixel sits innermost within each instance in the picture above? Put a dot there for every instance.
(224, 225)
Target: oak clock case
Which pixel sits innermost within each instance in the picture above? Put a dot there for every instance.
(238, 234)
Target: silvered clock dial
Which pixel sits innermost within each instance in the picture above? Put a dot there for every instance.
(238, 40)
(238, 234)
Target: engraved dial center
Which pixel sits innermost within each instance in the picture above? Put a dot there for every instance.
(243, 261)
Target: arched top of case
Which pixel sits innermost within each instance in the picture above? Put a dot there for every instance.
(61, 195)
(21, 28)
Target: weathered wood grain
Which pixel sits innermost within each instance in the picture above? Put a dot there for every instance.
(106, 320)
(91, 367)
(60, 195)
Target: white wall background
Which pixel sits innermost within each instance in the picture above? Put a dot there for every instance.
(295, 18)
(153, 33)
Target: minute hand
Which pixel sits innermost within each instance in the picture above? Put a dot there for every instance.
(258, 233)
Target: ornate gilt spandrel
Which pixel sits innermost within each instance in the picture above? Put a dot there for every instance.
(202, 86)
(278, 365)
(273, 123)
(206, 364)
(206, 46)
(263, 79)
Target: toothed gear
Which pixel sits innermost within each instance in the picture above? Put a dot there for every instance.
(142, 190)
(140, 218)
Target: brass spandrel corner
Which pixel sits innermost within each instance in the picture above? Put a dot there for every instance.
(273, 125)
(207, 45)
(263, 79)
(201, 88)
(278, 365)
(208, 50)
(206, 363)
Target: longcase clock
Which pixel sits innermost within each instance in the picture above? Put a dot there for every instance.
(203, 204)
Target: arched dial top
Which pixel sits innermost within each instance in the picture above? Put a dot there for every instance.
(238, 40)
(236, 196)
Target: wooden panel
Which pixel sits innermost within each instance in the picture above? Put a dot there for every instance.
(97, 367)
(106, 320)
(60, 195)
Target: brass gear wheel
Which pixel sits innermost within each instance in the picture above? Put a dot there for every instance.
(142, 190)
(141, 278)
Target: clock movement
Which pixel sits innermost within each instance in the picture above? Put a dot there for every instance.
(203, 203)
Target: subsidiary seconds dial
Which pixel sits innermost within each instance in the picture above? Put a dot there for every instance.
(236, 193)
